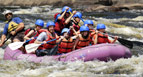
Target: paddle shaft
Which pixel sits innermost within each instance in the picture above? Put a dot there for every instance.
(127, 43)
(8, 37)
(54, 50)
(49, 41)
(111, 35)
(80, 18)
(124, 42)
(75, 20)
(30, 48)
(30, 40)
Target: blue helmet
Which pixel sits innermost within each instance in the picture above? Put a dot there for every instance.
(84, 28)
(39, 22)
(100, 26)
(50, 23)
(65, 30)
(88, 22)
(78, 14)
(64, 8)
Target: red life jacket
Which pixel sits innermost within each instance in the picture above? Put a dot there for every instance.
(66, 46)
(76, 27)
(83, 42)
(36, 33)
(59, 24)
(55, 16)
(50, 44)
(92, 33)
(102, 38)
(28, 30)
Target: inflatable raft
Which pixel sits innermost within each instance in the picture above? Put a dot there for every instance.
(102, 52)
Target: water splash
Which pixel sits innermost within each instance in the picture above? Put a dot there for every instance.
(125, 26)
(127, 67)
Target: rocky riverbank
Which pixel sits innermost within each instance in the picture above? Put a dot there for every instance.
(88, 5)
(117, 7)
(65, 2)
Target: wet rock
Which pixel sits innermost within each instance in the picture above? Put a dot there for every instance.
(102, 8)
(133, 6)
(45, 2)
(87, 5)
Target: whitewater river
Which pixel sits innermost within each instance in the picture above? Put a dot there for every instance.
(126, 24)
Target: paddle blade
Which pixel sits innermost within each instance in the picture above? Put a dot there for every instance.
(126, 43)
(54, 50)
(15, 45)
(30, 48)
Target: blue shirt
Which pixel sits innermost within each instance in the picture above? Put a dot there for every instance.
(16, 20)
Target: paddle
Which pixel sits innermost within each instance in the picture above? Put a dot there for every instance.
(124, 42)
(54, 50)
(32, 47)
(74, 19)
(8, 37)
(17, 45)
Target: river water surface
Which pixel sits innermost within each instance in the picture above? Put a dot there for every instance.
(126, 24)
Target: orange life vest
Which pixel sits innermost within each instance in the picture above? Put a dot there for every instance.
(83, 42)
(50, 44)
(102, 38)
(66, 45)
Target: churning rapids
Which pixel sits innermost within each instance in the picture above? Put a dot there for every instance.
(126, 24)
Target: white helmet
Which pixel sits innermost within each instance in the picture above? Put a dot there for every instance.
(6, 12)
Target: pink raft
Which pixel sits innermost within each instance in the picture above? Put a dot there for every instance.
(102, 52)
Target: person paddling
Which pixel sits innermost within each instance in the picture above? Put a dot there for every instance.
(83, 38)
(44, 37)
(62, 20)
(102, 36)
(34, 32)
(14, 28)
(76, 19)
(67, 42)
(93, 33)
(90, 24)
